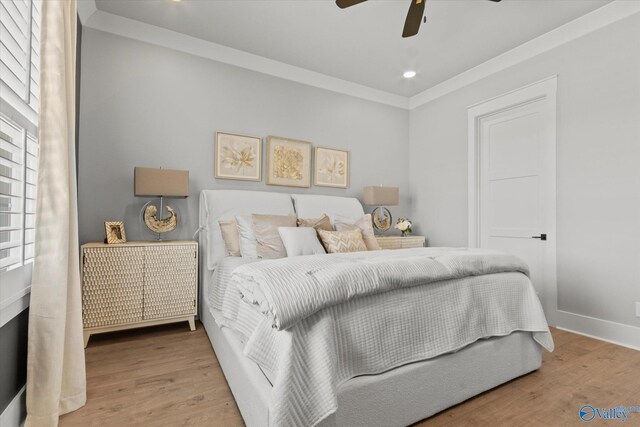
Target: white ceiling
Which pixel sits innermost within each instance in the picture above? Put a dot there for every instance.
(362, 44)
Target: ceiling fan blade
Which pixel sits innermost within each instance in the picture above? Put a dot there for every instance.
(414, 18)
(348, 3)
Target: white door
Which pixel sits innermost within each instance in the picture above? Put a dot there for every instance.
(514, 181)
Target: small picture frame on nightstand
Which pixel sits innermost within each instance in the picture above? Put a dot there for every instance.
(114, 231)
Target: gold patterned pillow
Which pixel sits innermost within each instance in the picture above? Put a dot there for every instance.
(342, 241)
(364, 224)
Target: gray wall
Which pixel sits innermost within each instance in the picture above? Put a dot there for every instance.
(598, 166)
(144, 105)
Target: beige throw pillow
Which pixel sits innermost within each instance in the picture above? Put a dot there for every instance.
(342, 241)
(265, 229)
(229, 229)
(322, 223)
(364, 225)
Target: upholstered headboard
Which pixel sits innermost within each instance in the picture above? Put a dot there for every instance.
(226, 204)
(347, 209)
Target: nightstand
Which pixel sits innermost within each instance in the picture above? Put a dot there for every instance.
(399, 242)
(137, 284)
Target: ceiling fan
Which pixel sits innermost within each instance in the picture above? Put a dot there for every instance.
(414, 16)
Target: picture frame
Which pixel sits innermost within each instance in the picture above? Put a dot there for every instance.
(288, 162)
(115, 233)
(238, 157)
(331, 167)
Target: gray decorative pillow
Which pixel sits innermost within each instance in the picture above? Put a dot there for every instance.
(300, 241)
(265, 229)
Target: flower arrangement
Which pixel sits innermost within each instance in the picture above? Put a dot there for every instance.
(404, 225)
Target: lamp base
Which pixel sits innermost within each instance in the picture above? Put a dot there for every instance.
(159, 218)
(381, 218)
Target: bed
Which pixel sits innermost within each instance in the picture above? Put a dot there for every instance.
(308, 364)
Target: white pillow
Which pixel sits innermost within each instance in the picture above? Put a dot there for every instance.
(248, 242)
(301, 241)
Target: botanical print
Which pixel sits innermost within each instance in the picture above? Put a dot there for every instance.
(238, 157)
(288, 162)
(331, 168)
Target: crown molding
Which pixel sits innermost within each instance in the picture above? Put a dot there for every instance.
(141, 31)
(86, 8)
(601, 17)
(91, 17)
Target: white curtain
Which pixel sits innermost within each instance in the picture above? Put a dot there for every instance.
(56, 382)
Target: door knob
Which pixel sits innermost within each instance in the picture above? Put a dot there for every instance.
(541, 237)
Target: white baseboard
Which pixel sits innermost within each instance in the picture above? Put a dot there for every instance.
(604, 330)
(12, 414)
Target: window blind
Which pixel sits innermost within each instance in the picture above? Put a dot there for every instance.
(20, 74)
(20, 48)
(18, 178)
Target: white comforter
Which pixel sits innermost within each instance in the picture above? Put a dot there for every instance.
(329, 318)
(289, 290)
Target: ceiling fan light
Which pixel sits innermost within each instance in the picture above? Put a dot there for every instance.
(409, 74)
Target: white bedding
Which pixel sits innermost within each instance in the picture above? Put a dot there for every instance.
(290, 290)
(372, 333)
(225, 303)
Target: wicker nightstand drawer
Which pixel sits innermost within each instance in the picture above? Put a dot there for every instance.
(398, 242)
(138, 284)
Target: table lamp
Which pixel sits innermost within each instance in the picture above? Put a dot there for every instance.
(160, 183)
(381, 196)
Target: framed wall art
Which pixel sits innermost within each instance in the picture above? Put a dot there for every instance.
(331, 168)
(238, 157)
(288, 162)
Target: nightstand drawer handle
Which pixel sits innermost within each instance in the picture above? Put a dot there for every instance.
(541, 237)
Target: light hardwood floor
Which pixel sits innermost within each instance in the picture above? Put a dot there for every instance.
(168, 376)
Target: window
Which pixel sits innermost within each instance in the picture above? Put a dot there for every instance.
(18, 173)
(19, 105)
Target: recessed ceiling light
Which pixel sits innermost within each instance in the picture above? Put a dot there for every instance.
(409, 74)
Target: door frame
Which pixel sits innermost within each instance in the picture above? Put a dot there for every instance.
(545, 89)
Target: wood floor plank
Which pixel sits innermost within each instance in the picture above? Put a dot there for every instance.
(168, 376)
